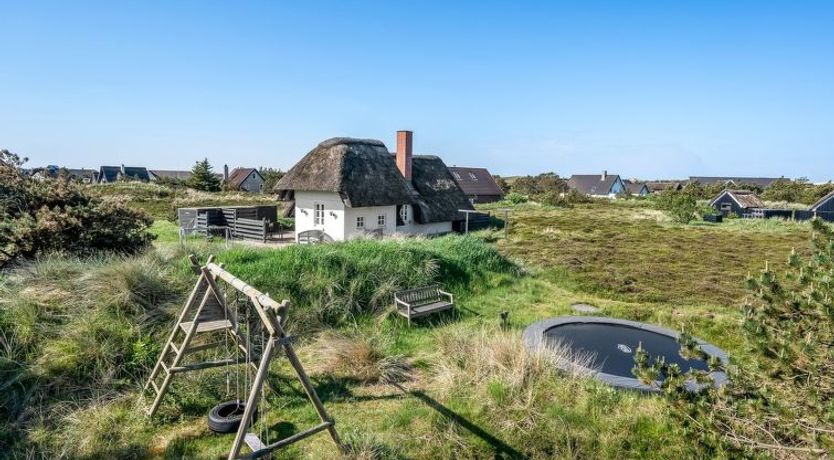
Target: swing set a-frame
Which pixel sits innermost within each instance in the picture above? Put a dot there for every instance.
(207, 313)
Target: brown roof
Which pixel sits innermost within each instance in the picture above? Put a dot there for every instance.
(744, 198)
(475, 181)
(238, 175)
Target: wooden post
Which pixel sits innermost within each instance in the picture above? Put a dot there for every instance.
(252, 400)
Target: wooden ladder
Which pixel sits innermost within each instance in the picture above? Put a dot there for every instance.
(204, 312)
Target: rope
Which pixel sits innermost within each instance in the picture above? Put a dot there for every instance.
(226, 336)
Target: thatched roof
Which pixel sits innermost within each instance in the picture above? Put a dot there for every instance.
(438, 197)
(360, 170)
(364, 173)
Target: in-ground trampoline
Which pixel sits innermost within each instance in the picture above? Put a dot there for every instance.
(605, 347)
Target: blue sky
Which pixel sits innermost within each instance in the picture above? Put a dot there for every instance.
(641, 88)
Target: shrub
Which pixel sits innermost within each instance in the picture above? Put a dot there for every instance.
(46, 215)
(516, 198)
(679, 205)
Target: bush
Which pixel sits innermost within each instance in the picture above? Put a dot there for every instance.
(38, 216)
(679, 205)
(516, 198)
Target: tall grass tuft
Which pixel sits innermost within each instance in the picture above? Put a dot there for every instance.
(360, 357)
(73, 332)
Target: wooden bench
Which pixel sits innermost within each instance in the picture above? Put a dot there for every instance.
(314, 237)
(423, 301)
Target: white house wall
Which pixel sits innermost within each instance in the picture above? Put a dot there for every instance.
(334, 213)
(371, 216)
(434, 228)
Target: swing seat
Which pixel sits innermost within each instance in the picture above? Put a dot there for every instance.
(207, 326)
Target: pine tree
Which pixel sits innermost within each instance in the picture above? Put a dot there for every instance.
(203, 177)
(778, 402)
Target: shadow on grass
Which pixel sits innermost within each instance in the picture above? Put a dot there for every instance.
(329, 388)
(501, 449)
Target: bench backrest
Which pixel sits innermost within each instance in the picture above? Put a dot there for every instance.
(420, 295)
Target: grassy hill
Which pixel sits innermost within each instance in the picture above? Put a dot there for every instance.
(80, 335)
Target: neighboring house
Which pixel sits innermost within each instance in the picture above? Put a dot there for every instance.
(659, 186)
(739, 202)
(248, 179)
(824, 204)
(115, 173)
(87, 176)
(157, 174)
(636, 188)
(478, 184)
(352, 187)
(762, 182)
(599, 185)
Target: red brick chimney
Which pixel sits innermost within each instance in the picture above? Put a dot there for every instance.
(404, 153)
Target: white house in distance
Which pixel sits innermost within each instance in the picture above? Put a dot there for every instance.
(349, 187)
(598, 185)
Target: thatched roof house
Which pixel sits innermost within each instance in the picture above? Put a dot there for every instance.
(347, 186)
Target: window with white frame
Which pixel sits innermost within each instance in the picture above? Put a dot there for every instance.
(318, 214)
(457, 176)
(404, 213)
(380, 220)
(360, 222)
(473, 177)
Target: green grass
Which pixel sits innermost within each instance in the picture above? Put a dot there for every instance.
(79, 336)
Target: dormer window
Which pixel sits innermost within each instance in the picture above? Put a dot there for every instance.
(457, 176)
(473, 177)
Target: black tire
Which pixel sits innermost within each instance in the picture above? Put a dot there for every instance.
(225, 417)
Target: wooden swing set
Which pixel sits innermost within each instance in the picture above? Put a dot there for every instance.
(257, 336)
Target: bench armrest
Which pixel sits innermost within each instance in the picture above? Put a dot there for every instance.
(402, 302)
(451, 296)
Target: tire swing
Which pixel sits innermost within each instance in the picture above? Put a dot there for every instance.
(226, 416)
(260, 336)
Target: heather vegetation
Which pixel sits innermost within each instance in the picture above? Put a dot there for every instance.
(56, 215)
(79, 333)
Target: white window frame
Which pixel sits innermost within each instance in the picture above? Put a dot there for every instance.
(360, 222)
(318, 214)
(457, 176)
(473, 177)
(404, 213)
(380, 221)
